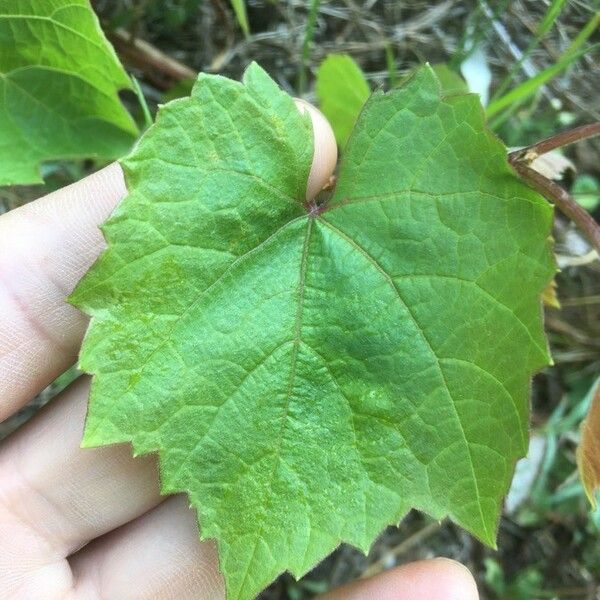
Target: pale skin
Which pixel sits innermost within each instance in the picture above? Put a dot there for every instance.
(90, 524)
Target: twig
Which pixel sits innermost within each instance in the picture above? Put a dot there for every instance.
(530, 153)
(580, 301)
(565, 260)
(521, 159)
(567, 329)
(149, 59)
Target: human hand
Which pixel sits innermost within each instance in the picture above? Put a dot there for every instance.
(90, 523)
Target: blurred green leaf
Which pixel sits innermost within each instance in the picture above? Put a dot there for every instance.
(59, 83)
(586, 191)
(179, 90)
(525, 585)
(451, 81)
(239, 8)
(342, 91)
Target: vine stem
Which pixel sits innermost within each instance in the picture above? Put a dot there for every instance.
(521, 160)
(565, 138)
(565, 202)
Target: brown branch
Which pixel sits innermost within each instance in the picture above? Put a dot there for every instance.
(565, 202)
(157, 66)
(572, 332)
(530, 153)
(521, 159)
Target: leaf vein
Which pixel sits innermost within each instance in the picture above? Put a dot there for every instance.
(421, 331)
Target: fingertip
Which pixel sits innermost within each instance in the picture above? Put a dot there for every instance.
(437, 579)
(458, 580)
(325, 149)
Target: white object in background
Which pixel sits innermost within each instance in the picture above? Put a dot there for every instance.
(477, 74)
(526, 473)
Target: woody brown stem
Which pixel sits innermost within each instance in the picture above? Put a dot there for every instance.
(563, 200)
(159, 68)
(521, 159)
(530, 153)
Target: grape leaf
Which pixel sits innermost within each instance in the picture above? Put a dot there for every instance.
(310, 373)
(450, 81)
(342, 91)
(59, 79)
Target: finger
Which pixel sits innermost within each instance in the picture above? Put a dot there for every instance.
(45, 248)
(56, 496)
(437, 579)
(325, 149)
(161, 552)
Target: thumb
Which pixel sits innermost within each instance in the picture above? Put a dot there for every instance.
(325, 149)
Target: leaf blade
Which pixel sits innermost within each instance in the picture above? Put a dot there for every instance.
(308, 378)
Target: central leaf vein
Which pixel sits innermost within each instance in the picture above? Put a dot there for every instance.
(290, 387)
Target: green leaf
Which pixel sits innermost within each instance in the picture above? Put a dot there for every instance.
(59, 79)
(451, 81)
(310, 373)
(342, 91)
(586, 191)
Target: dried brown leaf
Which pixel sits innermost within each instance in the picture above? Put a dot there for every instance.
(588, 452)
